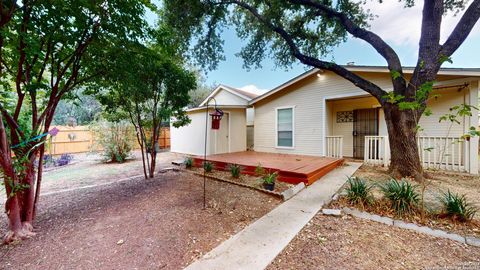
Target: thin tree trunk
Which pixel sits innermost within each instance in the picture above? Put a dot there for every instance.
(39, 179)
(402, 127)
(29, 194)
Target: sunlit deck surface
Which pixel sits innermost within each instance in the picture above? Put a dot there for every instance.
(291, 168)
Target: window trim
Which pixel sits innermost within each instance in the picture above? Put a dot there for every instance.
(293, 127)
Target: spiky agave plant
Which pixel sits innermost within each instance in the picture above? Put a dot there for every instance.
(457, 207)
(359, 191)
(188, 162)
(208, 166)
(235, 170)
(402, 195)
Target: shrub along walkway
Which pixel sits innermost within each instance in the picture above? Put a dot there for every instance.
(258, 244)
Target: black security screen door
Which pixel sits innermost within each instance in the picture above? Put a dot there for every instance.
(365, 123)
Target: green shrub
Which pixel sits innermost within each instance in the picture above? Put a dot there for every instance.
(188, 162)
(402, 196)
(208, 166)
(259, 170)
(270, 178)
(457, 207)
(235, 170)
(358, 191)
(114, 139)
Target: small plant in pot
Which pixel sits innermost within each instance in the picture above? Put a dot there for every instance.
(269, 181)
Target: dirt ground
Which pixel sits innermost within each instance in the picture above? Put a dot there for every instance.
(137, 224)
(350, 243)
(253, 181)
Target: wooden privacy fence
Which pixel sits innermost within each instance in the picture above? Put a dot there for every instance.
(81, 139)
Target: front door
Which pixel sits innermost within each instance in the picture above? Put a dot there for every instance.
(221, 136)
(365, 123)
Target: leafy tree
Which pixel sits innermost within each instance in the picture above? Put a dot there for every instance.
(148, 86)
(47, 50)
(78, 109)
(307, 30)
(200, 93)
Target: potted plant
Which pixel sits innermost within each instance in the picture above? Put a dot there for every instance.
(269, 181)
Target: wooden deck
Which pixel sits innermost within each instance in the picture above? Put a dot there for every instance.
(291, 168)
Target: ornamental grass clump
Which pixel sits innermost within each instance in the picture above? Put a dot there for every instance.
(235, 170)
(457, 207)
(402, 195)
(359, 191)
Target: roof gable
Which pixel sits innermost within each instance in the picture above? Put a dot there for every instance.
(229, 96)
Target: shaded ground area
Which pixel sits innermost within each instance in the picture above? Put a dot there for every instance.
(350, 243)
(145, 224)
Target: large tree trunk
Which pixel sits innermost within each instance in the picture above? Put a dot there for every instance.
(402, 134)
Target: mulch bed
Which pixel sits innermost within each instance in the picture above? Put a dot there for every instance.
(328, 242)
(436, 183)
(140, 224)
(381, 207)
(250, 180)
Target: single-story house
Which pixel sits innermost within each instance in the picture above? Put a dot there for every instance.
(318, 113)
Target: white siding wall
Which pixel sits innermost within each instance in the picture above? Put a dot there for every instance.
(190, 139)
(308, 98)
(226, 98)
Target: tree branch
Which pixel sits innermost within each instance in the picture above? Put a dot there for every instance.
(462, 29)
(366, 85)
(373, 39)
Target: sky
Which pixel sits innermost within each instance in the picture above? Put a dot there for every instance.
(398, 26)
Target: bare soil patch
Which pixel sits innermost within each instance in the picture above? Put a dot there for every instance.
(139, 224)
(349, 243)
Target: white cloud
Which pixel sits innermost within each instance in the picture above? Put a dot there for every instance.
(253, 89)
(402, 26)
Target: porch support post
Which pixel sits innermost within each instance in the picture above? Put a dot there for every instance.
(473, 122)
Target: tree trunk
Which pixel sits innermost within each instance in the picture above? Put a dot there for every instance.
(402, 135)
(153, 160)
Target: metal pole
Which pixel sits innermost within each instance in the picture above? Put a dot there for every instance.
(205, 156)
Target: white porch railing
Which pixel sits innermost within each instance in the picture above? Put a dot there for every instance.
(445, 153)
(335, 146)
(377, 150)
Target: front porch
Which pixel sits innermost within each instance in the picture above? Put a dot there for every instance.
(291, 168)
(356, 128)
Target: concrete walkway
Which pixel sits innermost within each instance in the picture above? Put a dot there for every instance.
(258, 244)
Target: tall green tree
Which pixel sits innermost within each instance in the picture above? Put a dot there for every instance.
(307, 30)
(148, 86)
(47, 49)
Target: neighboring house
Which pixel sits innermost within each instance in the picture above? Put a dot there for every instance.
(319, 113)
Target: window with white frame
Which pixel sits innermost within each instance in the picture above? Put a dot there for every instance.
(285, 127)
